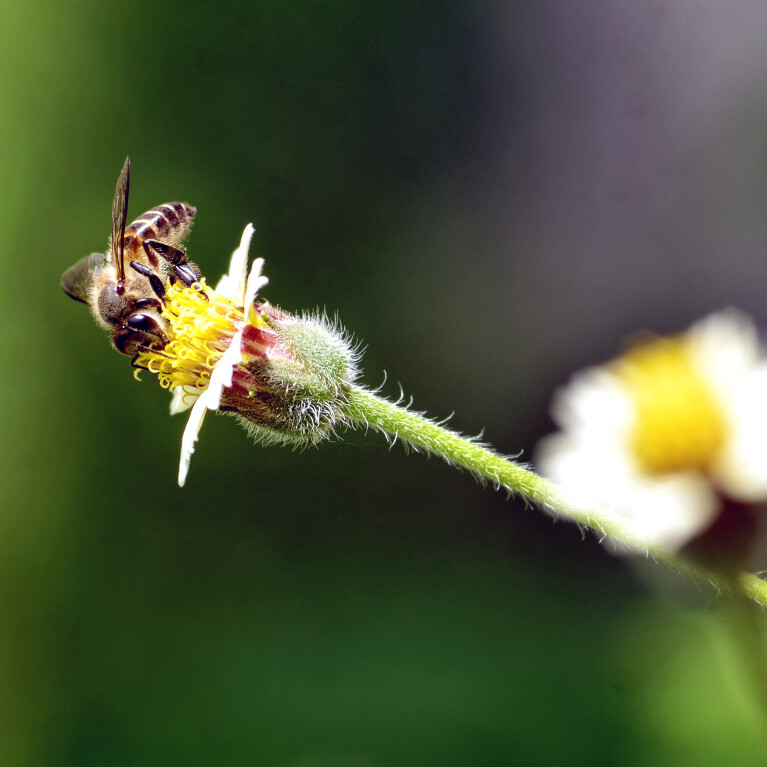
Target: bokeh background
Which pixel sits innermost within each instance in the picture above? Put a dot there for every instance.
(491, 196)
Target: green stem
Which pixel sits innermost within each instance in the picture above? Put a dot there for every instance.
(366, 409)
(749, 631)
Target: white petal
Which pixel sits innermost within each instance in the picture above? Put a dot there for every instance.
(593, 403)
(672, 511)
(183, 399)
(256, 281)
(221, 377)
(742, 470)
(594, 472)
(726, 347)
(232, 285)
(210, 399)
(193, 426)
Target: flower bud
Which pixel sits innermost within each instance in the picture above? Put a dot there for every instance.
(291, 383)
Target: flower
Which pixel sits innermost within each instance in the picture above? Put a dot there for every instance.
(671, 434)
(283, 376)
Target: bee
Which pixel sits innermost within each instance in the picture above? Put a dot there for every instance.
(127, 302)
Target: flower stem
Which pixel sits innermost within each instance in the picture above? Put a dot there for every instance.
(363, 408)
(749, 631)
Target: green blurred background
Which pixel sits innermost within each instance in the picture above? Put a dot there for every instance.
(490, 195)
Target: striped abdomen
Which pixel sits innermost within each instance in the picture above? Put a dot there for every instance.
(168, 223)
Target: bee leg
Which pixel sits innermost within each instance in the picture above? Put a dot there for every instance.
(186, 274)
(154, 280)
(188, 277)
(176, 257)
(168, 252)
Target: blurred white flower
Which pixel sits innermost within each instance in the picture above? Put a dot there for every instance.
(668, 434)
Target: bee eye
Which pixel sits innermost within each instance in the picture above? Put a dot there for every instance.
(142, 322)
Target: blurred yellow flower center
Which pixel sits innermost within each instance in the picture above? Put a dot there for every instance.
(679, 425)
(199, 332)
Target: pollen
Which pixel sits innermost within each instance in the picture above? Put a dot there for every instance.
(201, 325)
(678, 423)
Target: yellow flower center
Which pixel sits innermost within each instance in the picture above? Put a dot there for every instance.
(199, 332)
(679, 425)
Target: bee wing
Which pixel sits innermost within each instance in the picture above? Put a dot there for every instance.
(119, 215)
(78, 279)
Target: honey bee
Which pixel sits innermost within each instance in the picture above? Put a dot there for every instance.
(127, 302)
